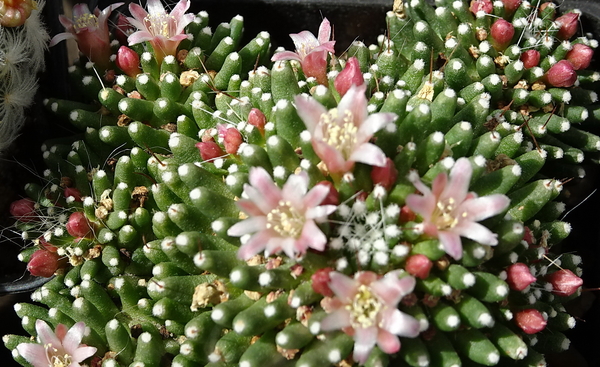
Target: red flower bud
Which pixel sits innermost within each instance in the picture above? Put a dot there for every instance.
(232, 140)
(568, 25)
(78, 225)
(209, 150)
(44, 263)
(580, 56)
(123, 29)
(511, 5)
(45, 245)
(528, 236)
(257, 119)
(320, 282)
(71, 191)
(564, 282)
(481, 5)
(531, 321)
(530, 58)
(351, 75)
(418, 265)
(128, 61)
(502, 33)
(333, 198)
(519, 276)
(406, 215)
(385, 176)
(24, 210)
(561, 74)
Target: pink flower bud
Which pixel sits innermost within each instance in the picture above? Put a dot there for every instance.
(385, 176)
(23, 210)
(511, 5)
(43, 263)
(78, 225)
(71, 191)
(519, 276)
(561, 74)
(45, 245)
(232, 140)
(209, 150)
(528, 236)
(502, 33)
(128, 61)
(481, 5)
(531, 321)
(320, 282)
(333, 198)
(530, 58)
(418, 265)
(315, 65)
(564, 282)
(257, 119)
(580, 56)
(351, 75)
(568, 25)
(123, 29)
(406, 215)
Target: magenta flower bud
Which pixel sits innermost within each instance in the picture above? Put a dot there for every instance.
(44, 263)
(23, 210)
(562, 74)
(530, 58)
(209, 150)
(78, 225)
(232, 140)
(419, 266)
(351, 75)
(511, 5)
(320, 282)
(333, 197)
(71, 191)
(568, 25)
(481, 5)
(564, 282)
(385, 176)
(531, 321)
(580, 56)
(257, 119)
(519, 276)
(128, 61)
(502, 33)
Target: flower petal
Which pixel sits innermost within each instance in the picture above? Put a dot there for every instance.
(370, 154)
(336, 320)
(324, 31)
(83, 353)
(138, 13)
(313, 236)
(388, 342)
(399, 323)
(342, 286)
(73, 338)
(365, 340)
(374, 123)
(34, 354)
(390, 289)
(285, 55)
(254, 245)
(452, 243)
(262, 181)
(310, 111)
(484, 207)
(250, 225)
(422, 205)
(460, 178)
(46, 334)
(355, 101)
(476, 232)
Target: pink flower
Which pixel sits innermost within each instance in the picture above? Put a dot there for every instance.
(449, 211)
(340, 136)
(163, 30)
(351, 75)
(366, 308)
(90, 31)
(62, 348)
(311, 51)
(281, 219)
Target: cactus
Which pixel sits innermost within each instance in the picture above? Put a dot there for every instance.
(397, 205)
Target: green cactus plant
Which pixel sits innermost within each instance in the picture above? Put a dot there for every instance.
(394, 206)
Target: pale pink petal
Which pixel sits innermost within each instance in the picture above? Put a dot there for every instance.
(399, 323)
(336, 320)
(331, 156)
(356, 102)
(422, 205)
(155, 7)
(138, 37)
(83, 353)
(61, 331)
(484, 207)
(285, 55)
(295, 188)
(388, 342)
(460, 178)
(61, 37)
(365, 277)
(249, 207)
(180, 9)
(65, 21)
(476, 232)
(316, 195)
(310, 111)
(256, 244)
(304, 42)
(439, 184)
(138, 13)
(452, 244)
(327, 46)
(262, 181)
(34, 354)
(414, 178)
(46, 334)
(365, 340)
(73, 337)
(263, 204)
(374, 123)
(324, 31)
(390, 289)
(313, 236)
(344, 287)
(320, 212)
(250, 225)
(285, 244)
(370, 154)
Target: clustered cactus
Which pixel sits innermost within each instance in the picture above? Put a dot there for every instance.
(395, 205)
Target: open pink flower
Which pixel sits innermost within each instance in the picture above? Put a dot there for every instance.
(90, 31)
(281, 219)
(311, 51)
(60, 348)
(366, 308)
(340, 136)
(163, 30)
(449, 211)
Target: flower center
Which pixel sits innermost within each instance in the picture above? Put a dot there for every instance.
(84, 22)
(364, 308)
(159, 24)
(55, 360)
(444, 214)
(339, 133)
(286, 220)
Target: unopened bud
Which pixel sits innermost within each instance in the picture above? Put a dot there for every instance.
(44, 263)
(209, 150)
(568, 25)
(128, 61)
(385, 176)
(78, 225)
(23, 210)
(320, 282)
(530, 58)
(519, 277)
(531, 321)
(564, 282)
(562, 74)
(407, 215)
(123, 29)
(580, 56)
(511, 5)
(71, 191)
(351, 75)
(232, 140)
(502, 33)
(481, 5)
(257, 119)
(419, 266)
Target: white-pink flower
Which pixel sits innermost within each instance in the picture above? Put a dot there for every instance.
(282, 219)
(366, 308)
(311, 51)
(340, 136)
(60, 348)
(449, 211)
(163, 30)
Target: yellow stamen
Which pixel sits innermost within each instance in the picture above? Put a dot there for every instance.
(364, 308)
(286, 220)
